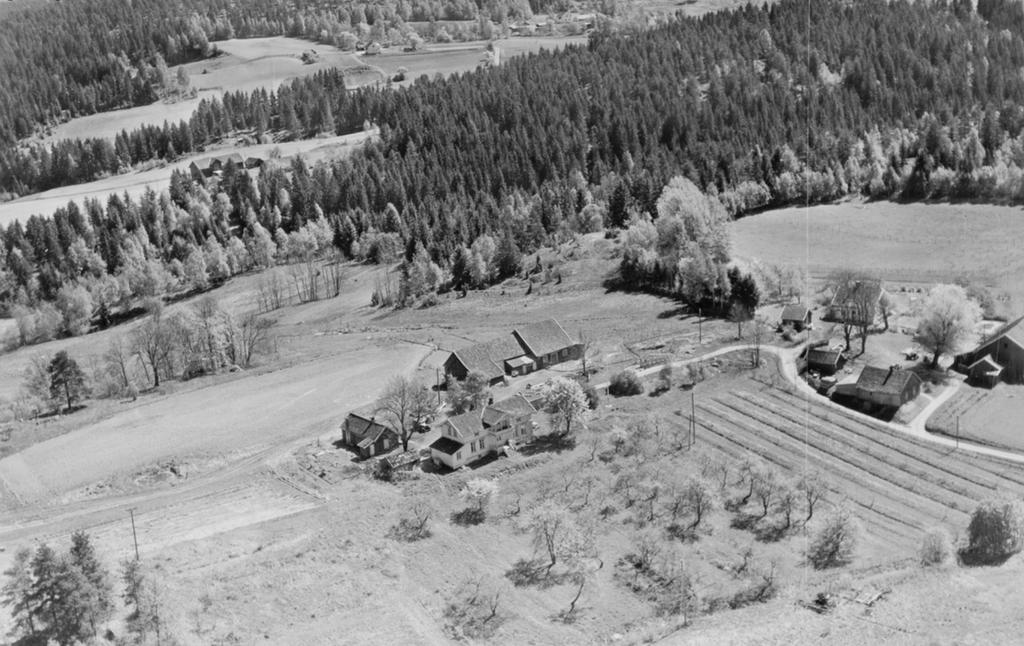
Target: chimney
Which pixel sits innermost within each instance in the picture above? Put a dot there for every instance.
(892, 369)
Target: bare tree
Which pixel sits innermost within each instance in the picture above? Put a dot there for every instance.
(116, 360)
(760, 333)
(859, 294)
(405, 404)
(588, 355)
(559, 534)
(153, 342)
(334, 276)
(813, 487)
(271, 291)
(247, 336)
(787, 498)
(766, 485)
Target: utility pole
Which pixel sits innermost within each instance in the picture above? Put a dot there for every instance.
(700, 331)
(693, 419)
(135, 538)
(437, 375)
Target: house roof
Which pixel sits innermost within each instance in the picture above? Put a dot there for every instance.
(514, 405)
(469, 424)
(987, 364)
(446, 445)
(519, 362)
(543, 337)
(1012, 331)
(825, 357)
(365, 428)
(885, 380)
(795, 312)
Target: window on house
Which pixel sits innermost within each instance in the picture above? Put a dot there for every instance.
(458, 455)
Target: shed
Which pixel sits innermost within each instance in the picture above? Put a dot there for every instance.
(797, 316)
(888, 387)
(367, 436)
(985, 372)
(824, 360)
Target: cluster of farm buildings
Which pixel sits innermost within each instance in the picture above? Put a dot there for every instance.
(497, 427)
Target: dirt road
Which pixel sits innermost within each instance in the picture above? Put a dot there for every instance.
(238, 416)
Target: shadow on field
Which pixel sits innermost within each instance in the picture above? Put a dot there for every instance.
(550, 443)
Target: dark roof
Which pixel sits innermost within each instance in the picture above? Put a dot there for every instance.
(795, 312)
(469, 424)
(365, 429)
(1013, 331)
(446, 445)
(486, 358)
(823, 357)
(858, 292)
(885, 380)
(401, 459)
(543, 337)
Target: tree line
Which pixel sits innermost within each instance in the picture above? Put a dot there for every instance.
(473, 173)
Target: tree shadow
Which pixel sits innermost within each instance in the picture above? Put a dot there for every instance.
(527, 572)
(468, 517)
(685, 533)
(746, 522)
(550, 443)
(771, 532)
(975, 558)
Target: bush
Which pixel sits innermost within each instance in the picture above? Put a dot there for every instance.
(995, 533)
(625, 383)
(593, 398)
(936, 547)
(834, 543)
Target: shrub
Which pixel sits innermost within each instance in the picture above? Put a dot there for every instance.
(834, 543)
(996, 531)
(413, 520)
(593, 398)
(625, 383)
(936, 547)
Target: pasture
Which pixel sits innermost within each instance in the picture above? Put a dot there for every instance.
(923, 243)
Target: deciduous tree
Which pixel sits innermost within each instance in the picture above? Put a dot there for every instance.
(948, 322)
(405, 403)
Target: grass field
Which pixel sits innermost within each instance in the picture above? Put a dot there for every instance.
(986, 416)
(135, 183)
(923, 243)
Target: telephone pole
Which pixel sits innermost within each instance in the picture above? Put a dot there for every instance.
(135, 538)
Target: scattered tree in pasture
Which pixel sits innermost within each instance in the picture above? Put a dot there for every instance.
(559, 534)
(144, 599)
(625, 383)
(787, 499)
(153, 343)
(36, 383)
(414, 517)
(567, 404)
(996, 531)
(936, 547)
(67, 381)
(699, 500)
(813, 488)
(948, 321)
(834, 543)
(766, 486)
(472, 609)
(247, 336)
(405, 404)
(477, 495)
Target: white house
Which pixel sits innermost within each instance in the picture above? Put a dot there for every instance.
(470, 436)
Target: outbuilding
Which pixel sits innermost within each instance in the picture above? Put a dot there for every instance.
(796, 316)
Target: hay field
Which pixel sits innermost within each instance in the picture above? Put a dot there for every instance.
(900, 242)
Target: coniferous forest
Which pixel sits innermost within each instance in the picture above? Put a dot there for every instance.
(893, 100)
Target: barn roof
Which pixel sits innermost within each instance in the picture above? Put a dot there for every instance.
(795, 312)
(543, 337)
(487, 357)
(885, 380)
(1012, 331)
(446, 445)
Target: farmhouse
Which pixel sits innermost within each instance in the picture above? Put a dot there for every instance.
(824, 360)
(530, 347)
(1004, 349)
(470, 436)
(210, 166)
(796, 316)
(368, 436)
(888, 387)
(855, 302)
